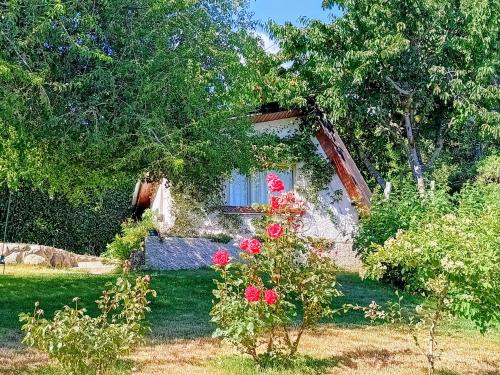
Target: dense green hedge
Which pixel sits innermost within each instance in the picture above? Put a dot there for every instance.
(84, 228)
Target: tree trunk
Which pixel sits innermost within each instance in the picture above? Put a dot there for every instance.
(430, 349)
(373, 171)
(415, 164)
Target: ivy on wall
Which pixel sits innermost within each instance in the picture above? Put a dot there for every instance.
(272, 153)
(86, 228)
(277, 153)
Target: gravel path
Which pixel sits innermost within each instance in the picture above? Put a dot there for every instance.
(96, 267)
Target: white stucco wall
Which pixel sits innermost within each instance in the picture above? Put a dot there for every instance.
(333, 217)
(162, 205)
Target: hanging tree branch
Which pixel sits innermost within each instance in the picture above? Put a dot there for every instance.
(398, 88)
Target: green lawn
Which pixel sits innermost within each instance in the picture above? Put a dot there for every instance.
(181, 309)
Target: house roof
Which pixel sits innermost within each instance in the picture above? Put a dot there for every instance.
(341, 159)
(273, 116)
(335, 150)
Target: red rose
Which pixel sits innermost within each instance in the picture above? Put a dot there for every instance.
(255, 246)
(274, 184)
(270, 296)
(221, 258)
(244, 244)
(275, 202)
(252, 294)
(274, 230)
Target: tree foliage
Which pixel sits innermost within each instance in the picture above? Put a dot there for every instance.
(408, 84)
(96, 92)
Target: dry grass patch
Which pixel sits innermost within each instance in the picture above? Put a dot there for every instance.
(360, 351)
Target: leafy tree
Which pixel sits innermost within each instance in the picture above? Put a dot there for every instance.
(96, 92)
(408, 83)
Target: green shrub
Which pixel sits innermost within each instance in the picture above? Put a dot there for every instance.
(35, 217)
(86, 345)
(132, 237)
(282, 288)
(452, 260)
(219, 238)
(405, 209)
(489, 169)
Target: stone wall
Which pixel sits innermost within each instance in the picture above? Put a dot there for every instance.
(173, 253)
(39, 255)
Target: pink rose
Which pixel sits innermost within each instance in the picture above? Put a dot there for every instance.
(270, 296)
(274, 184)
(252, 293)
(274, 230)
(221, 258)
(270, 177)
(255, 246)
(244, 244)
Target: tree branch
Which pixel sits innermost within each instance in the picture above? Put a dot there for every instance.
(155, 137)
(439, 147)
(371, 168)
(416, 166)
(398, 88)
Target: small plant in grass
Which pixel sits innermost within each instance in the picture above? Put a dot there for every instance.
(86, 345)
(453, 261)
(132, 237)
(282, 286)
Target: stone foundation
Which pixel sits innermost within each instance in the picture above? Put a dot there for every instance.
(173, 253)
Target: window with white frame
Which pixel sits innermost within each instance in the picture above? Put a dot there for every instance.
(244, 191)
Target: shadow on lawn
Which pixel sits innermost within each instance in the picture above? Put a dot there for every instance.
(184, 300)
(379, 357)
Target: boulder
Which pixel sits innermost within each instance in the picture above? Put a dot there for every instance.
(43, 251)
(32, 254)
(13, 258)
(57, 260)
(35, 260)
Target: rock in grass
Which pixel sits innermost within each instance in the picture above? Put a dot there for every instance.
(35, 260)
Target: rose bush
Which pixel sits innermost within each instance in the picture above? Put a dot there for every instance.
(281, 286)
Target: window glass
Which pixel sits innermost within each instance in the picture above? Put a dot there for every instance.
(237, 191)
(243, 191)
